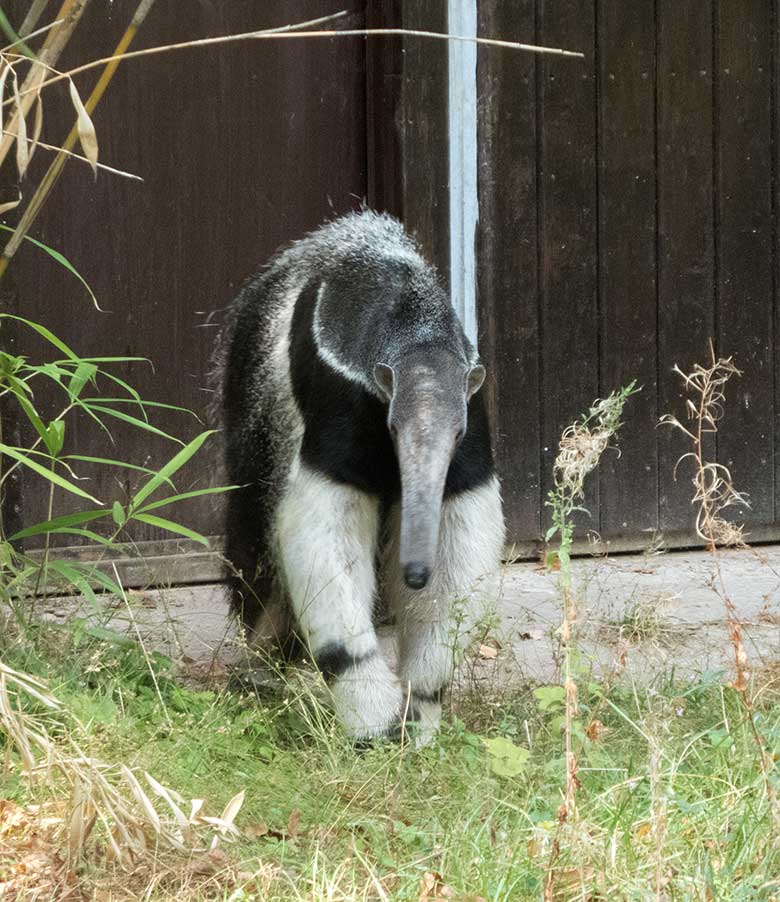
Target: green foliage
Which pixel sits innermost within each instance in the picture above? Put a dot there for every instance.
(506, 758)
(55, 254)
(550, 697)
(47, 457)
(478, 809)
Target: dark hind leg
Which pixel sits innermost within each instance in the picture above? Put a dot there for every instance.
(255, 598)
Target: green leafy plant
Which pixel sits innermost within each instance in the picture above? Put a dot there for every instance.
(86, 386)
(506, 758)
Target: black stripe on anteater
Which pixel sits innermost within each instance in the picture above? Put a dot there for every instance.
(333, 660)
(430, 697)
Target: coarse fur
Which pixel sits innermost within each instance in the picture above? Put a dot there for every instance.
(354, 425)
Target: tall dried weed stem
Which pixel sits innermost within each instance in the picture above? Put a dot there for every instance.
(579, 452)
(714, 492)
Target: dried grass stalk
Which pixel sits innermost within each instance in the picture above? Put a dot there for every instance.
(56, 41)
(580, 449)
(712, 483)
(714, 492)
(101, 792)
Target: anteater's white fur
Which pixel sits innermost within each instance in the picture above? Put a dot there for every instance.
(434, 623)
(326, 535)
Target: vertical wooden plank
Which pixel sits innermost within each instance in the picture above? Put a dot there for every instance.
(242, 148)
(507, 280)
(11, 492)
(568, 210)
(425, 132)
(775, 99)
(384, 72)
(744, 246)
(716, 233)
(685, 228)
(627, 250)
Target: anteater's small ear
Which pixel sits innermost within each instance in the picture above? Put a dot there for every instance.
(384, 376)
(474, 380)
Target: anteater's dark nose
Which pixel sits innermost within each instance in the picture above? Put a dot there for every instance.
(416, 575)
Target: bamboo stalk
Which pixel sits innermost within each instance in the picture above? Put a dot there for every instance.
(58, 163)
(56, 40)
(31, 19)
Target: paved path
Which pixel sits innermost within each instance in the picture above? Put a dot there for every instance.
(659, 612)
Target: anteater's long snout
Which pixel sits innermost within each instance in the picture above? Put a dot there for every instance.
(416, 575)
(423, 466)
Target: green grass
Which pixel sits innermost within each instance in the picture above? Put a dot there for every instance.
(672, 803)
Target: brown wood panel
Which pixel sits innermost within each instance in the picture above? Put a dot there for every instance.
(685, 227)
(507, 279)
(744, 247)
(627, 258)
(655, 158)
(675, 196)
(424, 131)
(11, 498)
(384, 75)
(568, 232)
(242, 148)
(775, 99)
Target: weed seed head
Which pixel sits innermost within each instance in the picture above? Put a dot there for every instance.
(713, 487)
(584, 441)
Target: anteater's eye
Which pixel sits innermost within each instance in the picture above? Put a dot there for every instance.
(393, 431)
(459, 437)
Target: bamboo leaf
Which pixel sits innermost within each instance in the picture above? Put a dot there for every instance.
(55, 436)
(6, 70)
(75, 578)
(8, 31)
(22, 151)
(85, 372)
(170, 526)
(41, 330)
(168, 796)
(232, 808)
(142, 401)
(59, 522)
(183, 496)
(30, 411)
(9, 205)
(63, 261)
(113, 360)
(173, 465)
(106, 635)
(50, 475)
(86, 128)
(85, 534)
(141, 796)
(134, 421)
(108, 462)
(96, 575)
(37, 124)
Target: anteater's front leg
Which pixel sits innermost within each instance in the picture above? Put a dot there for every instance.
(327, 534)
(435, 623)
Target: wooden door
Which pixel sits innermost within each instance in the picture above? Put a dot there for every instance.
(241, 148)
(628, 214)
